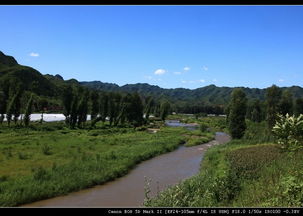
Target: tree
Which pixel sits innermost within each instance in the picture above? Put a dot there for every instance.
(42, 104)
(82, 109)
(17, 105)
(74, 110)
(103, 111)
(164, 110)
(135, 110)
(67, 102)
(299, 106)
(237, 125)
(286, 103)
(3, 105)
(273, 96)
(149, 105)
(256, 113)
(94, 97)
(28, 111)
(10, 109)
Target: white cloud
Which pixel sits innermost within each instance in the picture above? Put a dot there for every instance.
(281, 80)
(32, 54)
(177, 73)
(186, 68)
(214, 80)
(202, 80)
(205, 68)
(160, 72)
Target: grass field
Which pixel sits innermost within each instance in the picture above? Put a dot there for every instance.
(49, 159)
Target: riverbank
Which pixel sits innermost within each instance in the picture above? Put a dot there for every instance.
(49, 160)
(161, 171)
(250, 172)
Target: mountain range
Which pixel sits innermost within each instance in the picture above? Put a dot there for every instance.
(50, 86)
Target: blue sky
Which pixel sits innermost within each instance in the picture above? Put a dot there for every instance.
(168, 46)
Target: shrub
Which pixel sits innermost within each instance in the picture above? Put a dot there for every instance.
(289, 132)
(203, 127)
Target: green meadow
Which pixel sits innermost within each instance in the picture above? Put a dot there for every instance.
(49, 159)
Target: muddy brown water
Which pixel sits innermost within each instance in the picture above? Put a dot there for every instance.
(163, 171)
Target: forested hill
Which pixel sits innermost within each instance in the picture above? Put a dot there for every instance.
(209, 94)
(51, 87)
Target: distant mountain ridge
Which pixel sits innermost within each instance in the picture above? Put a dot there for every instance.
(210, 94)
(52, 85)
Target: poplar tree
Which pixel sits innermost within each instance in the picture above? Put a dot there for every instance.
(67, 102)
(82, 109)
(94, 97)
(148, 108)
(3, 105)
(28, 111)
(164, 110)
(237, 125)
(273, 96)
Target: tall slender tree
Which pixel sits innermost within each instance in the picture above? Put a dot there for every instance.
(164, 109)
(67, 102)
(149, 106)
(28, 111)
(94, 97)
(237, 125)
(3, 105)
(273, 96)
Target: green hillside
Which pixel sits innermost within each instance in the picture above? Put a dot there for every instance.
(184, 100)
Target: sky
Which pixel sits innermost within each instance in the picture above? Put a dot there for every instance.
(168, 46)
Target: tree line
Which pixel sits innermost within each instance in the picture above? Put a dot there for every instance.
(118, 108)
(77, 102)
(276, 102)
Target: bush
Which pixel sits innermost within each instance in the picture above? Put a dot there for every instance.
(289, 132)
(203, 127)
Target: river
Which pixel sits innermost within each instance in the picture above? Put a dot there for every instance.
(128, 191)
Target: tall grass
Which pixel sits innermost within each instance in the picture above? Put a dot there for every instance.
(67, 160)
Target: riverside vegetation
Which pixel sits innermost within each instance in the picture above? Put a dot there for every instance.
(42, 160)
(50, 159)
(261, 167)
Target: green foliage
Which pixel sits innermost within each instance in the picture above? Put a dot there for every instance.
(241, 173)
(273, 96)
(289, 132)
(90, 160)
(237, 114)
(164, 110)
(193, 141)
(299, 106)
(46, 149)
(286, 103)
(203, 127)
(28, 111)
(291, 188)
(94, 97)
